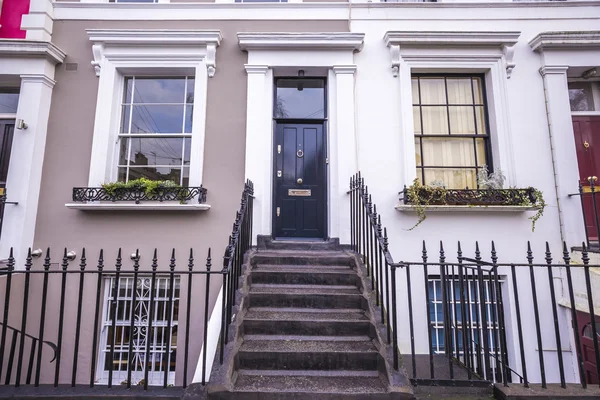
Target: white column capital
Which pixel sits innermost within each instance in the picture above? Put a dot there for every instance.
(344, 69)
(553, 70)
(38, 78)
(256, 69)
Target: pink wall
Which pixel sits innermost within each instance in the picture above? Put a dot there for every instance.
(10, 18)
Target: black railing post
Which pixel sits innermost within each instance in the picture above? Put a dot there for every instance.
(150, 334)
(394, 316)
(484, 321)
(428, 311)
(536, 314)
(168, 333)
(96, 317)
(205, 333)
(596, 220)
(519, 325)
(588, 285)
(9, 272)
(446, 312)
(42, 317)
(187, 315)
(130, 357)
(82, 265)
(61, 315)
(463, 312)
(561, 367)
(410, 321)
(567, 260)
(113, 316)
(28, 264)
(587, 234)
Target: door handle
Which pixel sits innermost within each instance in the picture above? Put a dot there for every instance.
(299, 181)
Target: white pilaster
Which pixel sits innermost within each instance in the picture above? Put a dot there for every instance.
(562, 140)
(38, 22)
(25, 169)
(106, 115)
(259, 145)
(347, 149)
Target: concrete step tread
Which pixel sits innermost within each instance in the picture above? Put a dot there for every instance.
(358, 338)
(324, 269)
(295, 314)
(307, 346)
(351, 384)
(308, 290)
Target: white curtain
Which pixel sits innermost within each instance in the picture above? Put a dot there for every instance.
(448, 112)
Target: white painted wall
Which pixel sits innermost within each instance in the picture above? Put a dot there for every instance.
(384, 156)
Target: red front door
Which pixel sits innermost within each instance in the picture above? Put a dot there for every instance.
(587, 143)
(587, 346)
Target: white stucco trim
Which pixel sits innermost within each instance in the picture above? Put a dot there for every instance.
(294, 41)
(468, 52)
(32, 48)
(565, 40)
(135, 51)
(34, 63)
(558, 52)
(268, 52)
(39, 21)
(92, 206)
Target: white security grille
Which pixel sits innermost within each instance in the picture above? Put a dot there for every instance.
(162, 332)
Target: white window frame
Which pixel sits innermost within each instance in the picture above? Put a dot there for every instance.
(595, 84)
(446, 52)
(119, 53)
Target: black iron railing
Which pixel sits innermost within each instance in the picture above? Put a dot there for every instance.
(115, 324)
(181, 194)
(472, 197)
(240, 242)
(590, 201)
(462, 314)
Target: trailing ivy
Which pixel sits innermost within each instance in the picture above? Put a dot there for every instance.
(421, 196)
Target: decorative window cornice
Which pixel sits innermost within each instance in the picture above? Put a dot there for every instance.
(565, 40)
(297, 41)
(29, 48)
(504, 41)
(151, 44)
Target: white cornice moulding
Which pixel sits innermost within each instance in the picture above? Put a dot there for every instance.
(21, 47)
(553, 70)
(504, 40)
(155, 36)
(256, 69)
(156, 41)
(297, 41)
(452, 38)
(565, 40)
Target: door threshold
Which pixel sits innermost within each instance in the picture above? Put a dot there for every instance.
(303, 240)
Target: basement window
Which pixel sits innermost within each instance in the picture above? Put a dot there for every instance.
(162, 337)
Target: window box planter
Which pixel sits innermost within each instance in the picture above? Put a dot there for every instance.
(470, 197)
(421, 199)
(166, 198)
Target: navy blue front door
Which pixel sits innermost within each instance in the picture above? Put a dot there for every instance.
(299, 210)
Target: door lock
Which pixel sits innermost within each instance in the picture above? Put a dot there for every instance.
(586, 144)
(278, 211)
(299, 181)
(279, 174)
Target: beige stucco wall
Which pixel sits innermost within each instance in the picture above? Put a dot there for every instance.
(66, 165)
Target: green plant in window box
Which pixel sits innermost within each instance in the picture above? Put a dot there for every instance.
(148, 186)
(490, 193)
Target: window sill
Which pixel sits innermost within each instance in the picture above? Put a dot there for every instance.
(447, 208)
(150, 206)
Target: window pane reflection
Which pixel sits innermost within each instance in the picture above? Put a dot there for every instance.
(300, 98)
(8, 103)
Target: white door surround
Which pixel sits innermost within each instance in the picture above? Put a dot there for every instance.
(34, 63)
(269, 52)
